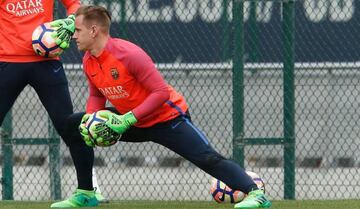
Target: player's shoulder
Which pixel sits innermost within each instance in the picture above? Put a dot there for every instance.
(118, 44)
(124, 49)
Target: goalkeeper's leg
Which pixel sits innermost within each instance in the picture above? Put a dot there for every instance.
(181, 136)
(83, 158)
(83, 165)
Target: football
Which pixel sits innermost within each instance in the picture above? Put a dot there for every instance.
(43, 43)
(108, 138)
(221, 193)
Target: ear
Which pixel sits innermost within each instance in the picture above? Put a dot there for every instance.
(94, 30)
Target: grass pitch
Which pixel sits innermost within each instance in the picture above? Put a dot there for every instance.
(331, 204)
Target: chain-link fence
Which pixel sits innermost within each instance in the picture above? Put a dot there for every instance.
(282, 76)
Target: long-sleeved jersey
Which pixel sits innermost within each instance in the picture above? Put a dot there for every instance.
(18, 19)
(126, 76)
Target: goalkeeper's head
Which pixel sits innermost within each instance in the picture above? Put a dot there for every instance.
(95, 15)
(92, 25)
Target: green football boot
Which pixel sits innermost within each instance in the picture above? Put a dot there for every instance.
(255, 199)
(81, 198)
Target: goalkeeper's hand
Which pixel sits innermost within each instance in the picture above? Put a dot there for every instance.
(118, 123)
(103, 136)
(84, 131)
(64, 32)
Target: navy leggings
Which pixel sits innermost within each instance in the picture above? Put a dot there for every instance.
(183, 137)
(50, 83)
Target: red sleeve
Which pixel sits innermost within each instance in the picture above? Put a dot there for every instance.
(71, 6)
(143, 69)
(96, 100)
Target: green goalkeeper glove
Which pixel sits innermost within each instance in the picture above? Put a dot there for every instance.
(84, 132)
(64, 32)
(118, 123)
(103, 136)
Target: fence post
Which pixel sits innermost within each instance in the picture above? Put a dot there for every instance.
(54, 163)
(7, 150)
(289, 99)
(238, 81)
(123, 29)
(253, 33)
(226, 37)
(54, 151)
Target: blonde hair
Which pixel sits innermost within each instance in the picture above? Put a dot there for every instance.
(95, 14)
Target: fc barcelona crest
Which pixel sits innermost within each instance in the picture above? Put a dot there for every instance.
(114, 73)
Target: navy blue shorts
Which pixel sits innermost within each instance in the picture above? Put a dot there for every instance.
(48, 80)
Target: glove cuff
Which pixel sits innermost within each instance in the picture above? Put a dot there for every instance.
(72, 16)
(130, 118)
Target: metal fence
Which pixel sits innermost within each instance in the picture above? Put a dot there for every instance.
(276, 89)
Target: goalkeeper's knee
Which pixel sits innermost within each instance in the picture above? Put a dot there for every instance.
(210, 160)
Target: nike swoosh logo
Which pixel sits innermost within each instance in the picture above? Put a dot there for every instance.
(57, 69)
(174, 126)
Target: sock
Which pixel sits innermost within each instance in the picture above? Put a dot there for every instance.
(83, 158)
(94, 181)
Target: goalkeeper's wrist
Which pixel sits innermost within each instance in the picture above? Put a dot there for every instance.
(130, 118)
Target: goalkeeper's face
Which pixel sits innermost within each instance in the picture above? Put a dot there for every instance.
(84, 35)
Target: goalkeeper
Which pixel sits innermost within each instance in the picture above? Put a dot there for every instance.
(147, 108)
